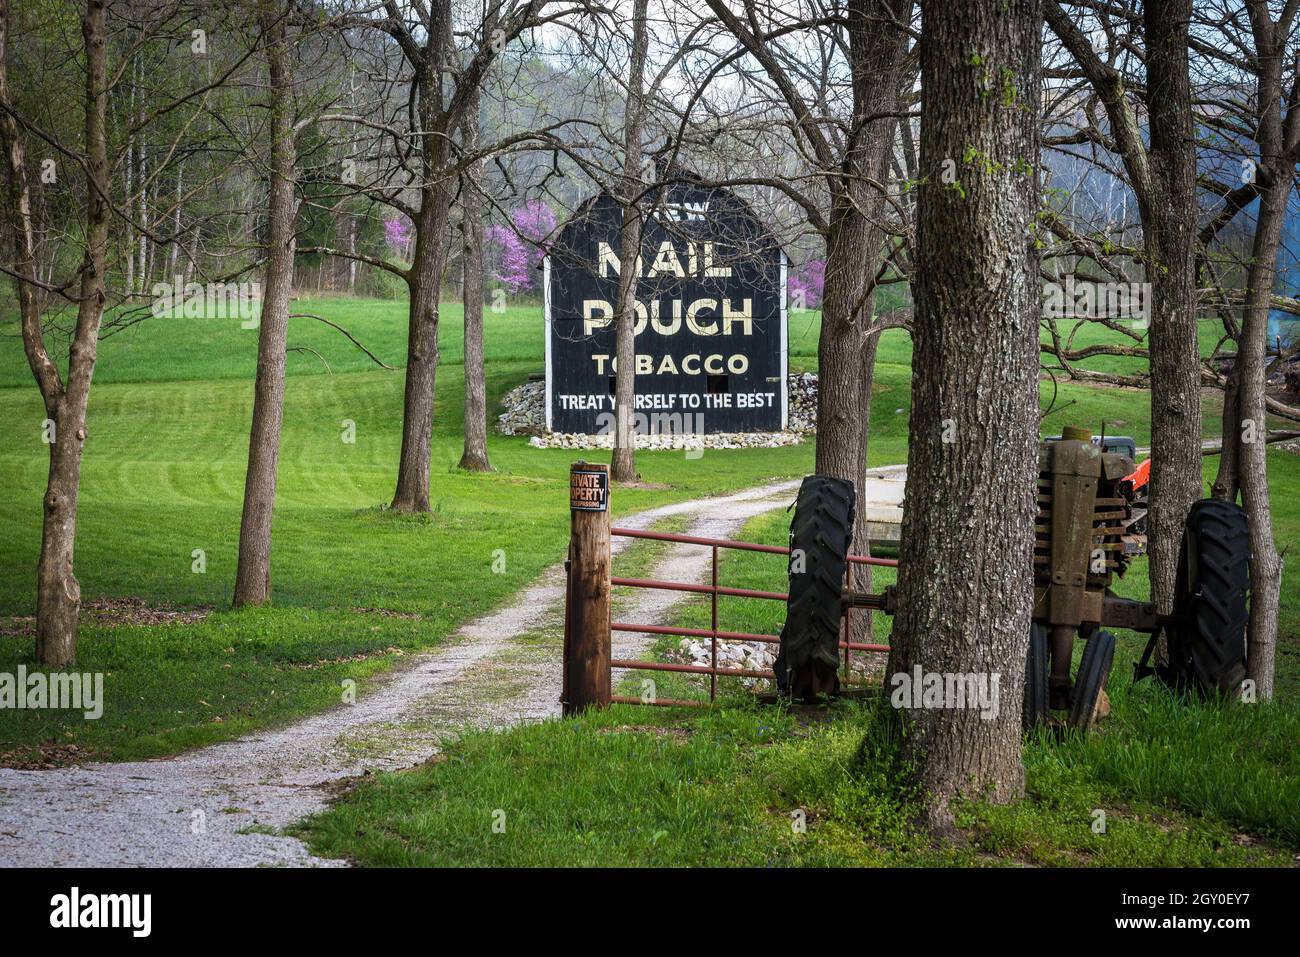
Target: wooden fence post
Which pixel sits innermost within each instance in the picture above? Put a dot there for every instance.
(586, 664)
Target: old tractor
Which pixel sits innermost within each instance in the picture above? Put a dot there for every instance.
(1090, 526)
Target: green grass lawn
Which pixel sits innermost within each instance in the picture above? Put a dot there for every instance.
(1176, 783)
(637, 786)
(182, 349)
(163, 478)
(357, 589)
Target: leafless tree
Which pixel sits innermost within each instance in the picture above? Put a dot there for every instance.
(89, 233)
(1162, 175)
(414, 131)
(474, 457)
(837, 73)
(253, 571)
(1277, 87)
(623, 462)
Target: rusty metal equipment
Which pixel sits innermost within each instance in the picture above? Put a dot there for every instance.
(1082, 541)
(1090, 525)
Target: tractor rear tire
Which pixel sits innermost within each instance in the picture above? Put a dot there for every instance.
(1090, 683)
(1207, 647)
(1035, 713)
(821, 532)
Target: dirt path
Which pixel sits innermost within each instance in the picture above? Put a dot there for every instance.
(222, 805)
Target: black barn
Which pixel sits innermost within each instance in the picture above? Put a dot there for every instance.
(711, 316)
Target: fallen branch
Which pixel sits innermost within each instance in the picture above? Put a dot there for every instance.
(1279, 436)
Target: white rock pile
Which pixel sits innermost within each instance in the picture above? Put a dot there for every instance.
(687, 443)
(745, 655)
(803, 402)
(525, 410)
(761, 656)
(525, 414)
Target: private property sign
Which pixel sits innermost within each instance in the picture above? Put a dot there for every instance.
(588, 490)
(710, 317)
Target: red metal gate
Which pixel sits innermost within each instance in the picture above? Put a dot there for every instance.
(588, 650)
(713, 633)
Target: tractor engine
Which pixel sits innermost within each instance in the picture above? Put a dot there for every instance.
(1090, 523)
(1082, 539)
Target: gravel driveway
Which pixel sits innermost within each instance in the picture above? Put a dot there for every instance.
(222, 805)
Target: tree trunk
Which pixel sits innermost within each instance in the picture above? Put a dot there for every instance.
(142, 273)
(474, 458)
(173, 254)
(151, 267)
(1169, 222)
(128, 178)
(623, 461)
(58, 595)
(965, 594)
(253, 574)
(840, 359)
(1252, 351)
(412, 493)
(846, 356)
(352, 249)
(1265, 563)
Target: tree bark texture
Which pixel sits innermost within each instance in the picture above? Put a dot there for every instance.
(412, 492)
(58, 593)
(965, 594)
(253, 572)
(854, 244)
(474, 457)
(623, 462)
(1168, 207)
(1276, 175)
